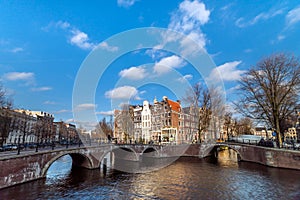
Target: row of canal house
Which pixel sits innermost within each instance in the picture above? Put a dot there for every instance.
(163, 121)
(26, 126)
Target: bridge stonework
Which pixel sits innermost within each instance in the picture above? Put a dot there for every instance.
(272, 157)
(23, 168)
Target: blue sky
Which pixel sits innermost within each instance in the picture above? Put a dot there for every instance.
(44, 43)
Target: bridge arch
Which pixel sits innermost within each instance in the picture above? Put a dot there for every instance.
(151, 151)
(122, 152)
(126, 153)
(78, 159)
(233, 147)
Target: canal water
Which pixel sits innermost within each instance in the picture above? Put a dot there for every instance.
(187, 178)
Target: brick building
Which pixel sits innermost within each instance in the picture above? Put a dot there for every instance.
(162, 122)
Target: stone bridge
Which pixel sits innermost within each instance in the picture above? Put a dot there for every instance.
(272, 157)
(31, 166)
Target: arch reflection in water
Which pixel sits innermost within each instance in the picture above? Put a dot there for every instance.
(227, 158)
(60, 169)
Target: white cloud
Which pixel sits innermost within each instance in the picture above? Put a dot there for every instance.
(194, 12)
(126, 3)
(293, 17)
(70, 120)
(78, 38)
(185, 78)
(111, 112)
(106, 46)
(264, 16)
(227, 72)
(166, 64)
(41, 89)
(81, 40)
(155, 53)
(134, 73)
(280, 37)
(16, 50)
(188, 19)
(143, 92)
(49, 103)
(16, 76)
(123, 92)
(27, 77)
(188, 45)
(60, 24)
(63, 25)
(248, 50)
(85, 106)
(233, 89)
(62, 111)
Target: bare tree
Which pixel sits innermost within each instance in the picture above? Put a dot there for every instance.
(244, 126)
(106, 127)
(5, 116)
(270, 90)
(5, 101)
(125, 121)
(199, 99)
(24, 128)
(228, 124)
(217, 110)
(2, 96)
(6, 124)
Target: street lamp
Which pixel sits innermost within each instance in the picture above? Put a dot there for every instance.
(67, 139)
(19, 144)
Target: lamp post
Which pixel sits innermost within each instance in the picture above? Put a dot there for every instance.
(19, 144)
(53, 142)
(37, 141)
(67, 140)
(36, 148)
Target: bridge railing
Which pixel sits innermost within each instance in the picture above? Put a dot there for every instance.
(243, 141)
(266, 143)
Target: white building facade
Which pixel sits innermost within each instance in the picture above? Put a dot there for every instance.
(146, 122)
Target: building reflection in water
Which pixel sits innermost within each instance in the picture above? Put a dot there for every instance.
(227, 158)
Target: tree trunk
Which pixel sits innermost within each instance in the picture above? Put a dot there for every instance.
(278, 134)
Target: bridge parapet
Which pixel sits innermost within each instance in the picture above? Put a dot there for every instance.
(28, 167)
